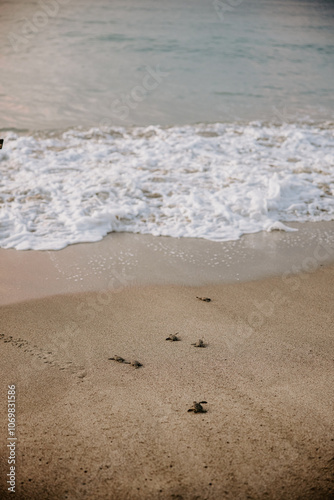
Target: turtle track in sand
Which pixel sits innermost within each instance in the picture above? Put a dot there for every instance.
(47, 357)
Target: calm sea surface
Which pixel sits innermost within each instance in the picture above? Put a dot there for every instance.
(76, 62)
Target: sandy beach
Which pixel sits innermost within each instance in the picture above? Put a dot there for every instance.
(89, 427)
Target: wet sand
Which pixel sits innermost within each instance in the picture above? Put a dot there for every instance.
(123, 259)
(92, 428)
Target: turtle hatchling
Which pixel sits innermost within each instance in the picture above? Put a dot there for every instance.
(173, 337)
(199, 343)
(204, 299)
(197, 407)
(119, 359)
(135, 363)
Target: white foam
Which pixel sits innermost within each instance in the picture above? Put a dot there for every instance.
(214, 181)
(279, 226)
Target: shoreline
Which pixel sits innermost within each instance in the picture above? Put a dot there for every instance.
(89, 427)
(125, 259)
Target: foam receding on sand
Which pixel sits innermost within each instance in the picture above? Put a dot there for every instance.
(89, 427)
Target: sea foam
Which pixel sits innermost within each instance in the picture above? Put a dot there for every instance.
(214, 181)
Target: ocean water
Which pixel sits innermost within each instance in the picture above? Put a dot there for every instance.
(207, 119)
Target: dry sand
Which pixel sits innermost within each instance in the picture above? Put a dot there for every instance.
(92, 428)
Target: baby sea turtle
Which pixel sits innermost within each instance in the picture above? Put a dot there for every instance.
(173, 337)
(199, 343)
(197, 407)
(135, 363)
(119, 359)
(204, 299)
